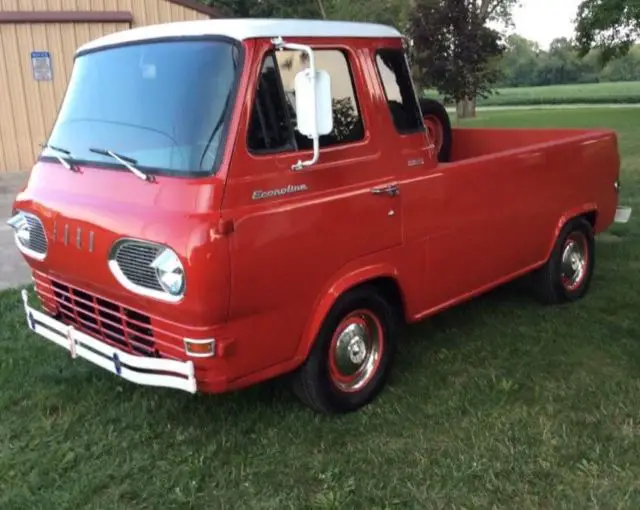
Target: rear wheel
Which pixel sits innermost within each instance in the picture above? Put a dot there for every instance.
(438, 125)
(567, 274)
(351, 358)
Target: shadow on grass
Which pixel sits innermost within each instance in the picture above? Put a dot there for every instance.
(451, 329)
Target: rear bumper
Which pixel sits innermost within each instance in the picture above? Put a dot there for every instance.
(141, 370)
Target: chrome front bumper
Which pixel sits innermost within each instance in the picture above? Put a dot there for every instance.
(157, 372)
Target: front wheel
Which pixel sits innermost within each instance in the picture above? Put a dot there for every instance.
(566, 276)
(352, 355)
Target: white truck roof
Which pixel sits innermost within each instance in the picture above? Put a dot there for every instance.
(242, 29)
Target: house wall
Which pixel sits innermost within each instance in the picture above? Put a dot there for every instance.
(28, 107)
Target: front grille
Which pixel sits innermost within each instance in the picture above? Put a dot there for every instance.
(134, 259)
(37, 237)
(114, 324)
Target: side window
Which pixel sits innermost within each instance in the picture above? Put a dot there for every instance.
(401, 98)
(273, 119)
(270, 128)
(347, 122)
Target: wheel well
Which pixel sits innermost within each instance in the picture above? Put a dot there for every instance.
(591, 217)
(388, 288)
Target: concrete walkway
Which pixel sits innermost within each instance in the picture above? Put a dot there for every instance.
(13, 269)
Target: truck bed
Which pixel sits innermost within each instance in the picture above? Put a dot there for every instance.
(477, 142)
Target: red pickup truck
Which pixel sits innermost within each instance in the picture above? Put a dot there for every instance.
(224, 201)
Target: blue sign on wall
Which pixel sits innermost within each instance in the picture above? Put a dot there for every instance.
(41, 65)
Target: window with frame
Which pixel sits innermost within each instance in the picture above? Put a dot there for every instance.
(401, 98)
(272, 126)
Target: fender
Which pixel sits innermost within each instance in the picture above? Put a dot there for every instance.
(338, 286)
(589, 207)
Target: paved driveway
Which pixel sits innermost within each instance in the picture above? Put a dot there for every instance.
(13, 269)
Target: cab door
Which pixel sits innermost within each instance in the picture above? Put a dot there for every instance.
(296, 230)
(411, 155)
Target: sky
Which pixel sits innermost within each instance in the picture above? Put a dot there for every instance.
(544, 20)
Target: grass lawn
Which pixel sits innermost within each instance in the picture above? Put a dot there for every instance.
(499, 403)
(591, 93)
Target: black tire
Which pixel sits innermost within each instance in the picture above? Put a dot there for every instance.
(315, 382)
(435, 112)
(550, 283)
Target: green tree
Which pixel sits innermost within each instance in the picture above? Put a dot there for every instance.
(520, 62)
(590, 66)
(454, 51)
(390, 12)
(626, 68)
(563, 64)
(268, 8)
(525, 64)
(610, 25)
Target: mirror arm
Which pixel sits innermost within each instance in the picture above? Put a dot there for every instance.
(279, 43)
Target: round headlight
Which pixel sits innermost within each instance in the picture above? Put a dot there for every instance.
(170, 272)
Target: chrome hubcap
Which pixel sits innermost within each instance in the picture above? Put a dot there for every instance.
(574, 263)
(351, 349)
(355, 352)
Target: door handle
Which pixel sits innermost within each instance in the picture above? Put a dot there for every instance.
(391, 190)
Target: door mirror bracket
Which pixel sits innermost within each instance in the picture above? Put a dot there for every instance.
(312, 88)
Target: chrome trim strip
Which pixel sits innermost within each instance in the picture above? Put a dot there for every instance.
(33, 254)
(23, 249)
(136, 289)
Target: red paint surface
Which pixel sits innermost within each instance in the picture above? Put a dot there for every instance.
(263, 274)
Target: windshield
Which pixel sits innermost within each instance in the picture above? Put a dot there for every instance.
(162, 104)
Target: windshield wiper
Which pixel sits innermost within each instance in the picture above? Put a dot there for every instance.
(125, 161)
(63, 161)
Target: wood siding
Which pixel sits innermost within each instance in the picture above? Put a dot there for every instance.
(28, 108)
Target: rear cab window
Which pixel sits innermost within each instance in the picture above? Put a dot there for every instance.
(395, 77)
